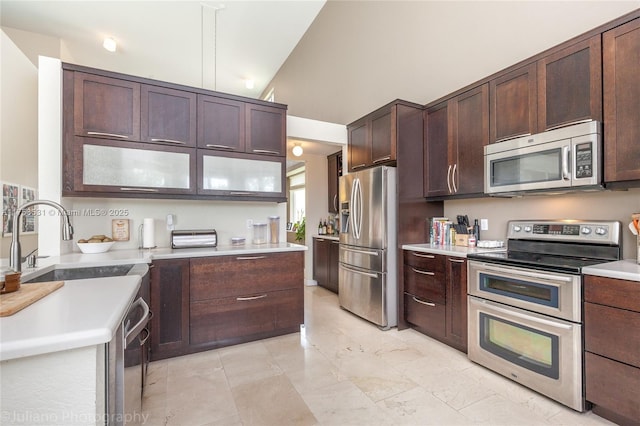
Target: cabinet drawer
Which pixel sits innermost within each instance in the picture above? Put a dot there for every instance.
(612, 385)
(227, 276)
(425, 284)
(424, 261)
(612, 292)
(429, 318)
(234, 318)
(612, 332)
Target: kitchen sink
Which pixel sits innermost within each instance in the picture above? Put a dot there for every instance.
(68, 274)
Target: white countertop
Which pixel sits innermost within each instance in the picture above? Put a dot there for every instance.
(621, 269)
(328, 237)
(448, 250)
(80, 313)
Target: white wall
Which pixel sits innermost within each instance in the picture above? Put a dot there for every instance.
(18, 126)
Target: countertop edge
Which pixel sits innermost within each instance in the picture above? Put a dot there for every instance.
(622, 270)
(455, 251)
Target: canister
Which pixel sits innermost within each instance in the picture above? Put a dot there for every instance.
(274, 229)
(259, 233)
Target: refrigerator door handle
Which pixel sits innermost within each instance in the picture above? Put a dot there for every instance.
(360, 208)
(355, 271)
(352, 208)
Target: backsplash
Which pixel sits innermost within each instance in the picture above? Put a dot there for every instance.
(94, 216)
(603, 205)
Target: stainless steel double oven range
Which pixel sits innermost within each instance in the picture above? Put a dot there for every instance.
(525, 304)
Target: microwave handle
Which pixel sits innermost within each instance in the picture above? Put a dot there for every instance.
(566, 161)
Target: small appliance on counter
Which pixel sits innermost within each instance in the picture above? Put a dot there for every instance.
(199, 238)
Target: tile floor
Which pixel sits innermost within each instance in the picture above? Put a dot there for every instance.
(341, 370)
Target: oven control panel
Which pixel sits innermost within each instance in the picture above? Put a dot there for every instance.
(565, 230)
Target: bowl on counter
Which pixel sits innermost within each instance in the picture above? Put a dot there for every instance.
(90, 248)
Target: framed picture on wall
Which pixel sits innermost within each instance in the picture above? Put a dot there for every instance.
(28, 218)
(10, 201)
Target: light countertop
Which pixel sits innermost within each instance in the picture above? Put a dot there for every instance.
(80, 313)
(328, 237)
(621, 269)
(448, 250)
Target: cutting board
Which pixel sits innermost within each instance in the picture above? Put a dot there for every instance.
(10, 303)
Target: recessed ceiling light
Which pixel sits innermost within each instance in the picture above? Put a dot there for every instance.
(109, 44)
(249, 84)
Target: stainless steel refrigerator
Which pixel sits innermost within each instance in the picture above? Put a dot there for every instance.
(367, 276)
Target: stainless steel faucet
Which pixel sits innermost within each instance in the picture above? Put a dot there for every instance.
(15, 255)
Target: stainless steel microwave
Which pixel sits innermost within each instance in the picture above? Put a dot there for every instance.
(565, 159)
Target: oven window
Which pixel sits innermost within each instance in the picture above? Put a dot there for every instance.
(541, 294)
(540, 166)
(527, 347)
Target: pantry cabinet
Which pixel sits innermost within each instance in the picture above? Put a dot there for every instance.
(170, 307)
(456, 130)
(612, 360)
(435, 296)
(373, 139)
(621, 57)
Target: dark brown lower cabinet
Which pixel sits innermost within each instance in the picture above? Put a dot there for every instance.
(326, 254)
(435, 296)
(612, 348)
(209, 302)
(170, 307)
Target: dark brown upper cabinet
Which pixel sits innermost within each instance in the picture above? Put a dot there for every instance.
(168, 116)
(106, 107)
(558, 89)
(513, 107)
(221, 124)
(570, 85)
(359, 146)
(621, 54)
(265, 130)
(456, 132)
(373, 139)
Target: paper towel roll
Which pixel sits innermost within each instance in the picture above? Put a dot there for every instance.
(148, 239)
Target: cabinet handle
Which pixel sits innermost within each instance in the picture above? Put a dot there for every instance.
(335, 242)
(167, 140)
(415, 299)
(265, 151)
(358, 166)
(449, 178)
(335, 202)
(456, 260)
(242, 299)
(113, 135)
(453, 177)
(558, 126)
(385, 158)
(241, 193)
(211, 145)
(139, 189)
(418, 271)
(512, 137)
(251, 257)
(320, 239)
(428, 256)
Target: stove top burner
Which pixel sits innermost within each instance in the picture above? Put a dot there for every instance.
(558, 245)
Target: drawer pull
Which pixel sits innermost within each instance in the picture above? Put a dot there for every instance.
(139, 189)
(388, 157)
(423, 272)
(359, 166)
(251, 257)
(456, 260)
(113, 135)
(212, 145)
(168, 141)
(422, 302)
(428, 256)
(242, 299)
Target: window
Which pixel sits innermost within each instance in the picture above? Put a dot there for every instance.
(296, 184)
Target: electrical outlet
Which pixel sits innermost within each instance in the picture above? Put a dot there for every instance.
(249, 223)
(484, 224)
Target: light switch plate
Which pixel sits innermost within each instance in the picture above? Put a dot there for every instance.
(484, 224)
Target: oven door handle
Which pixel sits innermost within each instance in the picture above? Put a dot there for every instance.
(508, 312)
(519, 272)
